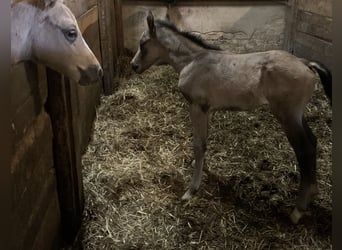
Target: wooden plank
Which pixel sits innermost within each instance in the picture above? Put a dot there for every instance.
(88, 18)
(313, 48)
(290, 26)
(320, 7)
(315, 25)
(316, 44)
(48, 234)
(86, 99)
(27, 231)
(69, 180)
(32, 159)
(20, 88)
(28, 93)
(31, 166)
(119, 27)
(107, 49)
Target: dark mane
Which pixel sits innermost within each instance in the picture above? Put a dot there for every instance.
(40, 4)
(194, 38)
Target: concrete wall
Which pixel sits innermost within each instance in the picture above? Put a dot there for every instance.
(238, 27)
(311, 34)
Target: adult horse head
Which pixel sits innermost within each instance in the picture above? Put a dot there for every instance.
(46, 31)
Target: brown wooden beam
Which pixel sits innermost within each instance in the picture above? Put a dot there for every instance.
(119, 26)
(68, 174)
(108, 50)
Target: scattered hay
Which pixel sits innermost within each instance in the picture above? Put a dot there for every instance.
(138, 164)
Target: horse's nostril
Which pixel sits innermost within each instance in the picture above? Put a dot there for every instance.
(100, 72)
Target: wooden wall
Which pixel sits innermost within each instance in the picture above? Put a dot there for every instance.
(35, 209)
(310, 29)
(51, 125)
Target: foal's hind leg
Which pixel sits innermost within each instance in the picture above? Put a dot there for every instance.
(199, 119)
(303, 142)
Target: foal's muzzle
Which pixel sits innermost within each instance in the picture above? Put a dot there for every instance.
(90, 75)
(135, 67)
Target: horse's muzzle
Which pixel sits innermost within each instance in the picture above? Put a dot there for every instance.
(90, 75)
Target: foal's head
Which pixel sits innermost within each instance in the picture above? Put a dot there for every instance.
(57, 41)
(150, 50)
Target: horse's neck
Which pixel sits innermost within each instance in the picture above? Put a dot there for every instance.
(181, 50)
(23, 18)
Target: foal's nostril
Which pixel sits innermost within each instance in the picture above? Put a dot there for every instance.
(100, 72)
(134, 67)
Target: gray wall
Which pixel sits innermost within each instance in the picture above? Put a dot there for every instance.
(303, 27)
(238, 27)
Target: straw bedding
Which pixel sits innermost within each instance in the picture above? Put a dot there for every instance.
(138, 165)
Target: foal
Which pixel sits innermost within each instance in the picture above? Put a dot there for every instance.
(212, 79)
(46, 31)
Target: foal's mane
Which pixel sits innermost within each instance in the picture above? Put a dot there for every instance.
(192, 37)
(40, 4)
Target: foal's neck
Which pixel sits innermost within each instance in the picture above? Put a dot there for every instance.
(23, 17)
(181, 51)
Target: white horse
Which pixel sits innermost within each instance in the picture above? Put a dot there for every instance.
(46, 31)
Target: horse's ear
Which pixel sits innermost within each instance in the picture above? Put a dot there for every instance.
(150, 23)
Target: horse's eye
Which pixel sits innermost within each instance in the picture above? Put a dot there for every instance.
(70, 35)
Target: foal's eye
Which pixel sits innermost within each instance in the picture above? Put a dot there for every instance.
(70, 34)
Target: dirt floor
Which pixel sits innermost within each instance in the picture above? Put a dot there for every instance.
(138, 165)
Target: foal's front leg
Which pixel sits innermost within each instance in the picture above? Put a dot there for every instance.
(199, 119)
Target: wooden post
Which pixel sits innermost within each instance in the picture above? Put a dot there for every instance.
(107, 49)
(290, 26)
(119, 34)
(69, 178)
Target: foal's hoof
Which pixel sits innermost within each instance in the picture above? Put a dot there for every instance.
(296, 215)
(188, 194)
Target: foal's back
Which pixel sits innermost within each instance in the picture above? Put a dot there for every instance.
(222, 80)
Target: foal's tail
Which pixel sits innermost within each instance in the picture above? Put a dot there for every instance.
(325, 76)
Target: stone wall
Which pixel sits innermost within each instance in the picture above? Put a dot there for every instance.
(238, 27)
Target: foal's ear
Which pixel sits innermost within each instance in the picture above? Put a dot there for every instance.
(150, 23)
